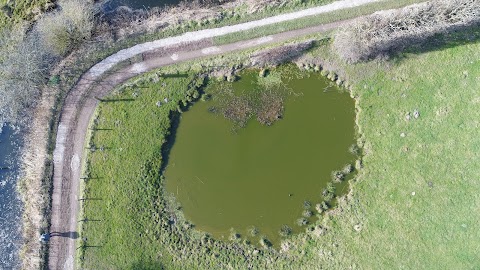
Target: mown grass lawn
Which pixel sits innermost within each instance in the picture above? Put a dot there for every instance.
(415, 204)
(417, 198)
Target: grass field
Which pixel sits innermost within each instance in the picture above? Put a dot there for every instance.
(414, 205)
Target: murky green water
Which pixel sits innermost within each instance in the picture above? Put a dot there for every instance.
(261, 175)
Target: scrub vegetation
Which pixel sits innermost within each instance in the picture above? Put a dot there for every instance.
(329, 17)
(195, 15)
(28, 57)
(23, 66)
(392, 31)
(62, 31)
(413, 203)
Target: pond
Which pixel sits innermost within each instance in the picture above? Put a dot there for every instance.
(255, 180)
(10, 204)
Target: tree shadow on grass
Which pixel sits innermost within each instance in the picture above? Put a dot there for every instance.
(170, 140)
(456, 36)
(118, 100)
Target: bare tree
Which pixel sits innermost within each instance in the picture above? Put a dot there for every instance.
(390, 31)
(26, 55)
(24, 63)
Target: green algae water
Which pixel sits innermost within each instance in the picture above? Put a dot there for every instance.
(260, 176)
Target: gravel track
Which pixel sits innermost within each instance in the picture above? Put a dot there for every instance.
(125, 54)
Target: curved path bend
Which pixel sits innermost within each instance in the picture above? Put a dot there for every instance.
(81, 102)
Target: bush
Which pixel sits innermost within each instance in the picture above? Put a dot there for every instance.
(265, 243)
(234, 236)
(330, 187)
(338, 176)
(24, 63)
(328, 197)
(66, 29)
(285, 230)
(253, 231)
(328, 193)
(358, 164)
(302, 221)
(307, 204)
(388, 32)
(307, 213)
(354, 149)
(325, 206)
(347, 169)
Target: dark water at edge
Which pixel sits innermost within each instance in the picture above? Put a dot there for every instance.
(10, 204)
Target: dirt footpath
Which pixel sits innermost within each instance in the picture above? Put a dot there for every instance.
(79, 107)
